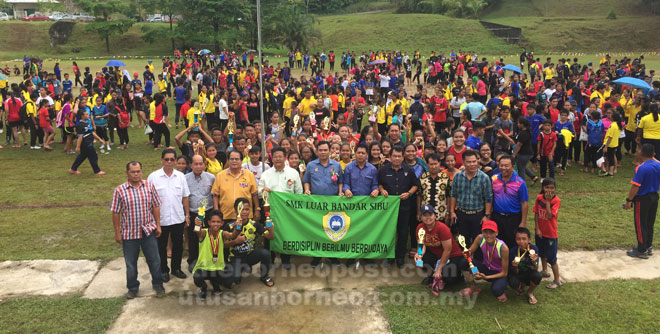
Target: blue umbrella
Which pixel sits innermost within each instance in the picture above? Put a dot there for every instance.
(3, 77)
(375, 62)
(633, 82)
(512, 68)
(204, 52)
(115, 62)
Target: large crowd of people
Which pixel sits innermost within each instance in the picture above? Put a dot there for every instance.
(457, 138)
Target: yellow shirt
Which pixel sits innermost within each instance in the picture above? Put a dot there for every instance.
(613, 132)
(229, 187)
(298, 56)
(3, 83)
(389, 111)
(209, 108)
(307, 105)
(341, 100)
(381, 114)
(162, 86)
(241, 79)
(151, 67)
(213, 167)
(343, 164)
(107, 98)
(405, 105)
(549, 74)
(596, 94)
(631, 111)
(651, 127)
(287, 106)
(31, 108)
(191, 116)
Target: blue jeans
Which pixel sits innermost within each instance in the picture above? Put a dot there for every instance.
(132, 252)
(498, 285)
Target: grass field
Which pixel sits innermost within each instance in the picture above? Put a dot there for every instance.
(65, 315)
(598, 307)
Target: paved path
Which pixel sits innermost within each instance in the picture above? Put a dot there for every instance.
(303, 299)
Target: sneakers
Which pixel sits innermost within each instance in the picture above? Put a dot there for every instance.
(160, 291)
(202, 294)
(602, 173)
(637, 254)
(131, 294)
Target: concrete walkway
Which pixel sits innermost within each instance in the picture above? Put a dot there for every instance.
(303, 299)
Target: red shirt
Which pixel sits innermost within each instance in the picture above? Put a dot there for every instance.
(12, 106)
(440, 105)
(44, 120)
(184, 110)
(433, 239)
(554, 114)
(547, 141)
(331, 57)
(124, 119)
(222, 78)
(547, 226)
(459, 156)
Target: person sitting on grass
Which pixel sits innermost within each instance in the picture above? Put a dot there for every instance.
(492, 267)
(244, 254)
(210, 263)
(524, 261)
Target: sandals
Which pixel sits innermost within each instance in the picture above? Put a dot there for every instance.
(531, 299)
(554, 285)
(469, 292)
(437, 286)
(268, 281)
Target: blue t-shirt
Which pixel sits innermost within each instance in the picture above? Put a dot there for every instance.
(647, 177)
(180, 94)
(535, 123)
(473, 142)
(148, 86)
(66, 85)
(100, 111)
(568, 125)
(508, 197)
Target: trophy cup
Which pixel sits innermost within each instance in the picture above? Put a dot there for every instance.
(266, 196)
(201, 212)
(312, 120)
(466, 253)
(230, 127)
(352, 145)
(197, 114)
(420, 244)
(372, 114)
(296, 119)
(238, 214)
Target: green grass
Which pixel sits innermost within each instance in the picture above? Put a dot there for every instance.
(615, 306)
(406, 32)
(564, 8)
(65, 315)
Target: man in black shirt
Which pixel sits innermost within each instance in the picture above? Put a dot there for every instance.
(399, 179)
(85, 145)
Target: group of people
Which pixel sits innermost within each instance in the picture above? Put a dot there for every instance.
(457, 158)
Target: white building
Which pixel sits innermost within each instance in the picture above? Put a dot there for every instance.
(24, 8)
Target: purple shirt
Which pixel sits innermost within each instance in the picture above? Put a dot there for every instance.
(509, 196)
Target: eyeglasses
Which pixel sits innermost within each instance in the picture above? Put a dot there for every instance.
(169, 159)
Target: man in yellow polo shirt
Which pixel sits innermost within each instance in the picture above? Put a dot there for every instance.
(631, 107)
(232, 183)
(308, 103)
(599, 93)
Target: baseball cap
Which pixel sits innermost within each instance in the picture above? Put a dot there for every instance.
(136, 74)
(427, 209)
(489, 225)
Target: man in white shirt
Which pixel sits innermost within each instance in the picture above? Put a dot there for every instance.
(384, 84)
(173, 191)
(280, 178)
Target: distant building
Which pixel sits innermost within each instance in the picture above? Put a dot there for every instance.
(22, 8)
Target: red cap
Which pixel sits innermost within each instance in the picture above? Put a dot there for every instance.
(136, 74)
(489, 225)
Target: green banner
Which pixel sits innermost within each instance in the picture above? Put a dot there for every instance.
(331, 226)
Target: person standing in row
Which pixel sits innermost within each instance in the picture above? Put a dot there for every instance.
(510, 204)
(199, 183)
(643, 196)
(174, 193)
(136, 219)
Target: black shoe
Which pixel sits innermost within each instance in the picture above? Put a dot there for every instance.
(350, 262)
(160, 291)
(166, 277)
(335, 262)
(399, 263)
(315, 262)
(427, 280)
(217, 291)
(637, 254)
(191, 268)
(131, 294)
(202, 294)
(179, 274)
(649, 251)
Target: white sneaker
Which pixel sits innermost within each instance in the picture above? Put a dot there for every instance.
(37, 147)
(101, 150)
(32, 147)
(108, 146)
(2, 130)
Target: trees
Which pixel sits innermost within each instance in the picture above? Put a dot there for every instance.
(213, 22)
(288, 25)
(104, 26)
(167, 7)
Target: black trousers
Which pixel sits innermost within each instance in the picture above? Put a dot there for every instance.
(451, 272)
(646, 208)
(211, 120)
(87, 152)
(193, 240)
(123, 136)
(525, 278)
(506, 226)
(216, 278)
(402, 234)
(102, 132)
(629, 142)
(176, 232)
(113, 124)
(469, 225)
(241, 262)
(178, 113)
(412, 224)
(35, 133)
(286, 258)
(159, 130)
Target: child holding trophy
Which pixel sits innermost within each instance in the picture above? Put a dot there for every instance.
(439, 251)
(211, 261)
(493, 266)
(524, 259)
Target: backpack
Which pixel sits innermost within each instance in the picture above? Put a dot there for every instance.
(594, 133)
(22, 113)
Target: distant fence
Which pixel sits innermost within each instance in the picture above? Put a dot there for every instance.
(509, 34)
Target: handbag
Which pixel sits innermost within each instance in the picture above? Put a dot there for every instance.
(148, 130)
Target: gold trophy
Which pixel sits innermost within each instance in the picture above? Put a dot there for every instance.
(326, 123)
(352, 145)
(230, 129)
(420, 245)
(461, 241)
(197, 115)
(201, 212)
(312, 120)
(239, 209)
(296, 119)
(266, 196)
